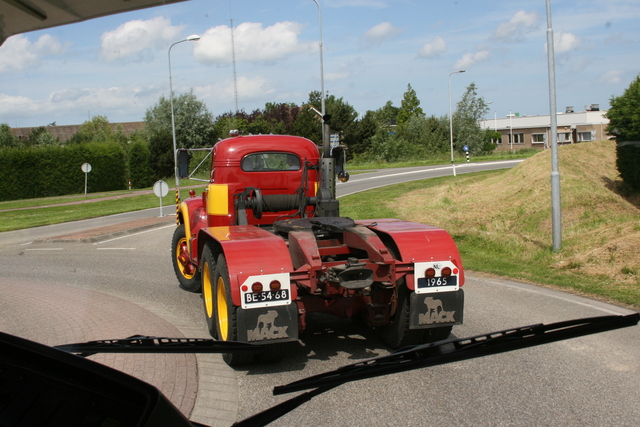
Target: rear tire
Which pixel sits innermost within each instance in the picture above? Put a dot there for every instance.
(208, 290)
(437, 334)
(397, 333)
(187, 273)
(226, 321)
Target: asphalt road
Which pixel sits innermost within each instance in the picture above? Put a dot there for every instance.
(592, 380)
(384, 177)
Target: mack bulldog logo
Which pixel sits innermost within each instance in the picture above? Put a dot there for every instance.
(435, 313)
(266, 329)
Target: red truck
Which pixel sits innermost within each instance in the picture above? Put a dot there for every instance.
(266, 246)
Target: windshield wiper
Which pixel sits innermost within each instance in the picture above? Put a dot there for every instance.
(438, 353)
(146, 344)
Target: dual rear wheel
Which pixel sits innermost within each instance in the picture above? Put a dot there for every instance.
(397, 333)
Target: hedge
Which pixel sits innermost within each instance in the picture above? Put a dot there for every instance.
(55, 171)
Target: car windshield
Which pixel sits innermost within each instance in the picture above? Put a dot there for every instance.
(114, 223)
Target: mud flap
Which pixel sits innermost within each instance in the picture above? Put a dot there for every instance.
(278, 323)
(435, 310)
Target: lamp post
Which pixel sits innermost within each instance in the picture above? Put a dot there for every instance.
(322, 104)
(191, 38)
(451, 120)
(556, 208)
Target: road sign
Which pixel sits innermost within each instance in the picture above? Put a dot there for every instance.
(466, 148)
(86, 168)
(160, 189)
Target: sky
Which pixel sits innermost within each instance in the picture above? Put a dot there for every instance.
(118, 66)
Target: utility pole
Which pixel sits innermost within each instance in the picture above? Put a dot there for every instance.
(556, 214)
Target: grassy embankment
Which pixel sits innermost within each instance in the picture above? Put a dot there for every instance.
(501, 221)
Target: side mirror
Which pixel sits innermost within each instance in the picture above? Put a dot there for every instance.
(183, 163)
(343, 176)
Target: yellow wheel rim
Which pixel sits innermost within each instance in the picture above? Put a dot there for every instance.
(179, 263)
(207, 293)
(223, 313)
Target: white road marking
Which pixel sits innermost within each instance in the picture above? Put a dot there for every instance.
(134, 234)
(45, 249)
(116, 249)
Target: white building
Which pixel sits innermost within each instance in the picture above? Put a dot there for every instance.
(520, 132)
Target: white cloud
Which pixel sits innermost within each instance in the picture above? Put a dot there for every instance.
(433, 49)
(252, 43)
(564, 42)
(248, 88)
(72, 100)
(520, 24)
(379, 34)
(10, 104)
(469, 59)
(19, 53)
(333, 77)
(138, 38)
(611, 77)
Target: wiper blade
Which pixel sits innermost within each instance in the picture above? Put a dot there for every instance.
(447, 351)
(147, 344)
(437, 353)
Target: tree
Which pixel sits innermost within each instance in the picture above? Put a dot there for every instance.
(227, 122)
(360, 139)
(343, 116)
(387, 116)
(624, 124)
(409, 107)
(466, 128)
(281, 116)
(7, 140)
(430, 134)
(98, 129)
(193, 124)
(41, 136)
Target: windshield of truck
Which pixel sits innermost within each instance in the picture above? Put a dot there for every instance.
(263, 162)
(93, 246)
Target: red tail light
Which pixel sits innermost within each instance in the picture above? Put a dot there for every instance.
(256, 287)
(446, 272)
(275, 285)
(430, 272)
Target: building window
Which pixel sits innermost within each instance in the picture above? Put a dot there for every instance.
(538, 138)
(518, 138)
(564, 136)
(584, 136)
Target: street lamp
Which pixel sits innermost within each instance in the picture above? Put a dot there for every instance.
(451, 120)
(191, 38)
(322, 109)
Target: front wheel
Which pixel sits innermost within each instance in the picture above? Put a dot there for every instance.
(186, 272)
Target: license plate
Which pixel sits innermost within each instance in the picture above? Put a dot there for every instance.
(266, 296)
(437, 282)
